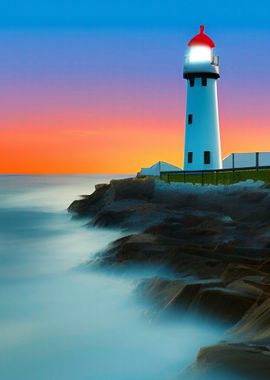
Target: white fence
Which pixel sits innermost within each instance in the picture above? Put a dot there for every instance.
(245, 160)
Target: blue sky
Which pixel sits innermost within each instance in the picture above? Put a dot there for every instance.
(134, 13)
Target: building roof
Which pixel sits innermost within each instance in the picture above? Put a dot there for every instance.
(159, 167)
(202, 39)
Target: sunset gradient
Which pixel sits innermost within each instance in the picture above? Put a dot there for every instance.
(111, 99)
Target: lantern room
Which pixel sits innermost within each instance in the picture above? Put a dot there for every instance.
(200, 56)
(200, 48)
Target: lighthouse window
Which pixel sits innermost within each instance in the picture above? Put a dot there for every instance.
(190, 157)
(207, 157)
(190, 118)
(204, 82)
(192, 81)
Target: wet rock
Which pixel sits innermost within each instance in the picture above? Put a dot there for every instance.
(117, 190)
(162, 292)
(250, 285)
(129, 214)
(91, 204)
(226, 361)
(255, 326)
(234, 271)
(133, 248)
(173, 295)
(192, 260)
(265, 266)
(223, 304)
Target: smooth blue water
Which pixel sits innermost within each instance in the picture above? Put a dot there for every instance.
(57, 323)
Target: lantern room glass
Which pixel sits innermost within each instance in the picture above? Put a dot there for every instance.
(200, 54)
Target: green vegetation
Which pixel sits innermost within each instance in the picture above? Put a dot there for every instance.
(218, 177)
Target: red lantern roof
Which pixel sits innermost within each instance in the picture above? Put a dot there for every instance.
(201, 39)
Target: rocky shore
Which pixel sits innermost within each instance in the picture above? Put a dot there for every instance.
(215, 241)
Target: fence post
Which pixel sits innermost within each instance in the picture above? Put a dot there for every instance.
(202, 178)
(169, 178)
(257, 161)
(216, 178)
(184, 177)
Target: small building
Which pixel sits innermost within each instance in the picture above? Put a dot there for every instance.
(160, 166)
(246, 160)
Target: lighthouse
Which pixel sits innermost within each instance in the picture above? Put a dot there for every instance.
(202, 135)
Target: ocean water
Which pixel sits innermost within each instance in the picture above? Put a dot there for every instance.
(60, 322)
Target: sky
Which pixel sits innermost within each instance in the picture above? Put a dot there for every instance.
(96, 86)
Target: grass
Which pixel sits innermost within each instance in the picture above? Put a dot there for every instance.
(219, 177)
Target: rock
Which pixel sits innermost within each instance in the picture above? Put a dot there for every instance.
(255, 326)
(101, 186)
(196, 261)
(108, 218)
(91, 204)
(253, 196)
(192, 260)
(133, 248)
(223, 304)
(248, 285)
(210, 299)
(234, 271)
(227, 361)
(104, 195)
(132, 214)
(162, 291)
(199, 217)
(172, 295)
(219, 238)
(133, 188)
(265, 266)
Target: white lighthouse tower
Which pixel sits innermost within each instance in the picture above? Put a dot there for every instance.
(202, 136)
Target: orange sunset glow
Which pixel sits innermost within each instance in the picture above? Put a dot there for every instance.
(93, 103)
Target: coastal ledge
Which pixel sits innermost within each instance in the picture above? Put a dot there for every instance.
(217, 237)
